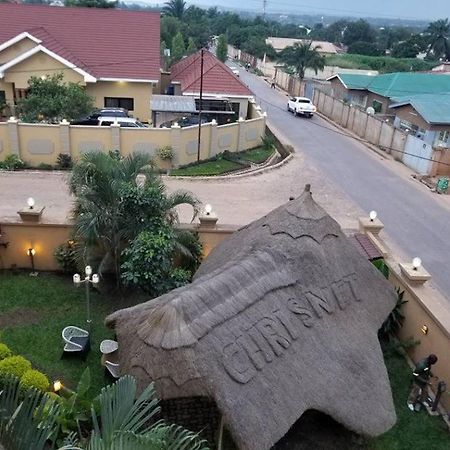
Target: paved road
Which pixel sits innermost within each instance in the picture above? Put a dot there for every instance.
(417, 223)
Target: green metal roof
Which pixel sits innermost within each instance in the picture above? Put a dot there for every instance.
(354, 81)
(397, 84)
(409, 83)
(434, 108)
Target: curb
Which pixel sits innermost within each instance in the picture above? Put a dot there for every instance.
(231, 177)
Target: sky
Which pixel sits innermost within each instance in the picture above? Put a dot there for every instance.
(405, 9)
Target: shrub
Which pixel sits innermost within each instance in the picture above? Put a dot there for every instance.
(65, 256)
(148, 260)
(45, 166)
(14, 365)
(12, 162)
(64, 161)
(5, 352)
(267, 142)
(165, 153)
(34, 379)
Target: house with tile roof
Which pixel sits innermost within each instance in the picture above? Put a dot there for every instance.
(323, 47)
(118, 69)
(378, 91)
(219, 82)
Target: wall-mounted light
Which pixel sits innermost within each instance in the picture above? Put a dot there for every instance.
(416, 263)
(208, 209)
(31, 202)
(70, 243)
(31, 252)
(424, 329)
(372, 215)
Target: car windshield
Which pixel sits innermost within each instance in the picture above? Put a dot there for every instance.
(304, 100)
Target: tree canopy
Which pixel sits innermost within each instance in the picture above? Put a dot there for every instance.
(222, 48)
(51, 100)
(117, 199)
(303, 56)
(175, 8)
(92, 3)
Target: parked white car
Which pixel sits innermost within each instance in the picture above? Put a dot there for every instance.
(301, 105)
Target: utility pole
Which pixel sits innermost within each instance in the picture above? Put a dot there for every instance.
(200, 107)
(264, 9)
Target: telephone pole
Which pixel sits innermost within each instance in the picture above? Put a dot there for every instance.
(264, 9)
(200, 108)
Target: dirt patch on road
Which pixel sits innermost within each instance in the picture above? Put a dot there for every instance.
(19, 317)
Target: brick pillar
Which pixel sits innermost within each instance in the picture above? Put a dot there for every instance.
(115, 136)
(13, 134)
(241, 134)
(175, 141)
(64, 137)
(214, 141)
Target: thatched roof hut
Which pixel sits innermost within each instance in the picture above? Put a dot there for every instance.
(281, 318)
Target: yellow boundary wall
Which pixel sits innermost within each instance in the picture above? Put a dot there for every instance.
(39, 144)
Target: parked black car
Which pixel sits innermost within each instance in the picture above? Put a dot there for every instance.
(187, 121)
(92, 119)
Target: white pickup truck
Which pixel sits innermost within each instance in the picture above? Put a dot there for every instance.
(301, 105)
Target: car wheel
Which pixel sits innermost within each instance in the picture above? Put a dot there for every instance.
(295, 113)
(289, 109)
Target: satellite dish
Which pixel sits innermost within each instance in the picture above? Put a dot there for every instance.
(370, 111)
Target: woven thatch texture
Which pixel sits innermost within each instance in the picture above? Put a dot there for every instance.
(281, 318)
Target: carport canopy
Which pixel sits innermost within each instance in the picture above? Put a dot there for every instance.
(173, 104)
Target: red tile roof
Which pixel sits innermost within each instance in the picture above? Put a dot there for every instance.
(217, 77)
(106, 43)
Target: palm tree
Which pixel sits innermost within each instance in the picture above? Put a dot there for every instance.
(117, 198)
(302, 56)
(439, 32)
(175, 8)
(28, 420)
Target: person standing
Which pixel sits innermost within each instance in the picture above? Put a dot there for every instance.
(421, 381)
(272, 84)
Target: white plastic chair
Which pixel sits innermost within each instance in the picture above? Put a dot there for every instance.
(76, 339)
(113, 369)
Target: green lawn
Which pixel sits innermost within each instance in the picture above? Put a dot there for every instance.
(256, 155)
(34, 311)
(222, 165)
(417, 431)
(209, 168)
(384, 64)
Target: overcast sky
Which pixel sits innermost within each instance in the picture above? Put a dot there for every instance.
(406, 9)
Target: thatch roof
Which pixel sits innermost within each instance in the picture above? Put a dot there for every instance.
(282, 317)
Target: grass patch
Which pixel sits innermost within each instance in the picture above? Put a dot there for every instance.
(53, 302)
(209, 168)
(384, 64)
(256, 155)
(224, 163)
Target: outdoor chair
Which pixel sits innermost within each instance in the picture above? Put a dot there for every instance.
(76, 341)
(112, 369)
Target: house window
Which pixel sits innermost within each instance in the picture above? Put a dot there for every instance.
(2, 98)
(377, 106)
(443, 139)
(120, 102)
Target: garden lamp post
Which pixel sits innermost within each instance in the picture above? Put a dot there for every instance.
(88, 279)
